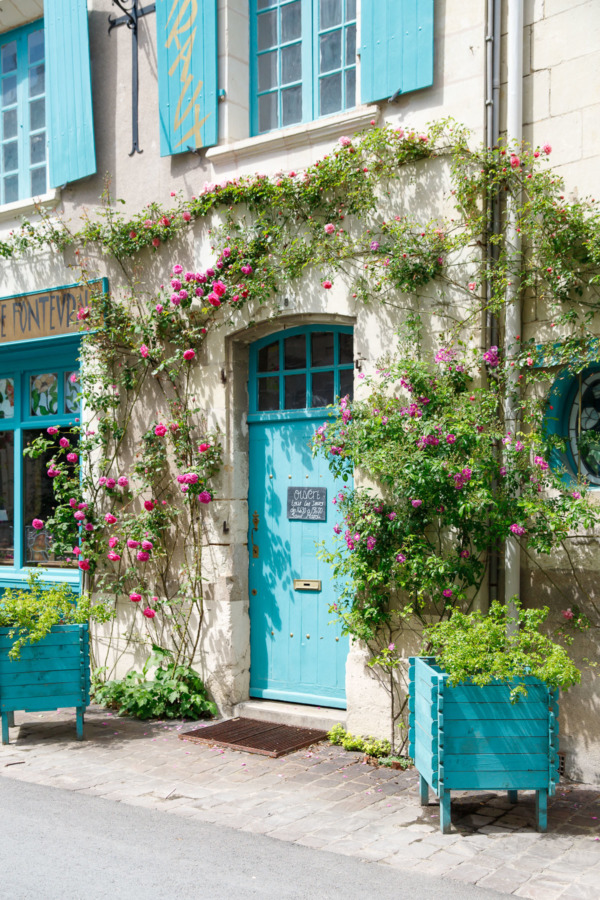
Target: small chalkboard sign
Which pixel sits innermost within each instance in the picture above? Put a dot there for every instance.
(307, 504)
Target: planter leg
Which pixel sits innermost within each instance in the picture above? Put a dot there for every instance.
(541, 810)
(5, 738)
(513, 796)
(445, 821)
(80, 712)
(423, 791)
(11, 720)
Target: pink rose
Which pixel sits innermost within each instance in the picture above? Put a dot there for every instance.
(345, 141)
(204, 497)
(203, 448)
(110, 519)
(160, 430)
(52, 430)
(327, 284)
(416, 503)
(133, 545)
(177, 270)
(447, 593)
(72, 457)
(123, 481)
(547, 149)
(114, 557)
(149, 505)
(72, 502)
(186, 216)
(79, 516)
(135, 598)
(329, 228)
(88, 526)
(147, 545)
(64, 442)
(84, 564)
(143, 556)
(568, 614)
(37, 524)
(144, 351)
(149, 612)
(189, 354)
(219, 288)
(112, 542)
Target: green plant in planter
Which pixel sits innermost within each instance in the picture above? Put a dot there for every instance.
(500, 647)
(31, 612)
(175, 691)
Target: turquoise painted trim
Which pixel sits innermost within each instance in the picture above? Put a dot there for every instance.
(397, 41)
(20, 36)
(69, 91)
(556, 421)
(187, 57)
(292, 697)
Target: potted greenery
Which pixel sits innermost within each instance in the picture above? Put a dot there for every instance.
(484, 706)
(44, 650)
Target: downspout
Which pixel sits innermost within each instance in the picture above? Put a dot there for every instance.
(512, 315)
(492, 133)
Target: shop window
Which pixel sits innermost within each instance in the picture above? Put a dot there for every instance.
(23, 150)
(33, 396)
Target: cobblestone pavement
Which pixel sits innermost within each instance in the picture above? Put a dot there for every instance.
(322, 797)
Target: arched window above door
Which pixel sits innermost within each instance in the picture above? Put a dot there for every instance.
(304, 368)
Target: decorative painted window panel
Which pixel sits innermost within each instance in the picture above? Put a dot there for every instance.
(23, 137)
(35, 393)
(574, 402)
(303, 60)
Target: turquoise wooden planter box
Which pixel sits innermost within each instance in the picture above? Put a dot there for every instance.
(51, 674)
(467, 737)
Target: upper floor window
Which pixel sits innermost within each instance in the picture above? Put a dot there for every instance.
(23, 159)
(303, 60)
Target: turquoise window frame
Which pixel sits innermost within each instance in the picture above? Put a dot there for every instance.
(556, 420)
(311, 77)
(279, 337)
(22, 106)
(21, 360)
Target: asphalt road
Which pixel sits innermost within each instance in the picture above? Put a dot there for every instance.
(59, 845)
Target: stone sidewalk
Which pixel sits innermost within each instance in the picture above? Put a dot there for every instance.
(322, 797)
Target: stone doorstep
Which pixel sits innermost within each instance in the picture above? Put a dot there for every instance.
(299, 714)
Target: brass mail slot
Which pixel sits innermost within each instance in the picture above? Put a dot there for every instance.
(301, 585)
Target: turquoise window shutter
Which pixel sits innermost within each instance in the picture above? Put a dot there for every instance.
(187, 51)
(396, 47)
(72, 154)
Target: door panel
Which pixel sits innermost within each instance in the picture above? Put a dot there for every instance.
(296, 654)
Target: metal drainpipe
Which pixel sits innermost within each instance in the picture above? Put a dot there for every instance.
(493, 27)
(512, 316)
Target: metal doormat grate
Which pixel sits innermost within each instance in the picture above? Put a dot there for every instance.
(255, 736)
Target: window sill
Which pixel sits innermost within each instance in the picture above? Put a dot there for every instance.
(17, 578)
(298, 136)
(22, 207)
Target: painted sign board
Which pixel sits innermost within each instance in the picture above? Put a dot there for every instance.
(44, 314)
(307, 504)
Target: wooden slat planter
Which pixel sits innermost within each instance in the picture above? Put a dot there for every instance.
(51, 674)
(467, 737)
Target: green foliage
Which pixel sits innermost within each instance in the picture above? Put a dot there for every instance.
(369, 745)
(173, 692)
(404, 762)
(31, 612)
(499, 647)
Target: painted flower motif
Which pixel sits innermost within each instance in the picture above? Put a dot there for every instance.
(37, 524)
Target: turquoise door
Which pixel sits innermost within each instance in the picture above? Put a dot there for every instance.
(296, 654)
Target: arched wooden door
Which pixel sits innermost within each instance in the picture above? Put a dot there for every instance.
(296, 654)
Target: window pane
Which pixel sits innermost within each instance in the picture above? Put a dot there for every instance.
(350, 88)
(9, 57)
(294, 350)
(37, 114)
(351, 45)
(36, 46)
(264, 4)
(37, 84)
(267, 112)
(322, 348)
(72, 389)
(44, 394)
(268, 358)
(350, 9)
(291, 64)
(330, 94)
(347, 382)
(291, 22)
(346, 349)
(291, 106)
(267, 30)
(10, 156)
(38, 503)
(9, 124)
(295, 391)
(37, 146)
(38, 181)
(267, 71)
(7, 509)
(11, 189)
(330, 13)
(268, 394)
(330, 46)
(9, 90)
(7, 398)
(322, 388)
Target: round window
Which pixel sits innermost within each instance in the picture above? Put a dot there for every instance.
(584, 427)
